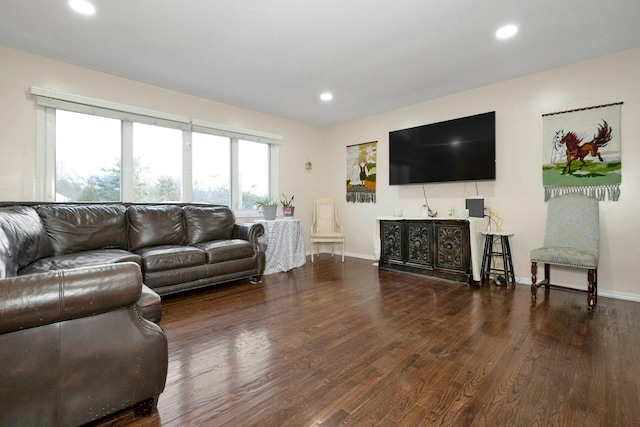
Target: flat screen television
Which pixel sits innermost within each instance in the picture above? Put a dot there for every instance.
(462, 149)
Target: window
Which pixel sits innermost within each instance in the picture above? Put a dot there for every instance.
(211, 169)
(253, 169)
(157, 164)
(92, 150)
(87, 172)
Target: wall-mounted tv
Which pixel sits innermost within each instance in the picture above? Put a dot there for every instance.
(462, 149)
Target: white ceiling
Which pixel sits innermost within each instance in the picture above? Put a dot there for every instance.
(277, 56)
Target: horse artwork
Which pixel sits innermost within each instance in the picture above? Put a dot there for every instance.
(583, 155)
(557, 153)
(576, 150)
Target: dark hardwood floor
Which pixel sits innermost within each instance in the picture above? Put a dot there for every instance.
(333, 344)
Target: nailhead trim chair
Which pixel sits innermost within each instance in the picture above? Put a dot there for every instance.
(571, 239)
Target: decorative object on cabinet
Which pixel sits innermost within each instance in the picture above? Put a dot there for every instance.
(571, 239)
(581, 152)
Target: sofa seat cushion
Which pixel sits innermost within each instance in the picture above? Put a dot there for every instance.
(169, 257)
(80, 259)
(226, 250)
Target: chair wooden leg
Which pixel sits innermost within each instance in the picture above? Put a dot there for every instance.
(547, 276)
(592, 296)
(342, 251)
(534, 279)
(311, 251)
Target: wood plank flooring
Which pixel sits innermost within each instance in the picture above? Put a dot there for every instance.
(333, 344)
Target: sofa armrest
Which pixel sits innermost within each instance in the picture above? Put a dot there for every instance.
(249, 231)
(40, 299)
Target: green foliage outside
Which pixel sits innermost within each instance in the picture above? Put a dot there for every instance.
(105, 185)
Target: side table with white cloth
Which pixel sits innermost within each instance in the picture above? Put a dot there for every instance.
(284, 243)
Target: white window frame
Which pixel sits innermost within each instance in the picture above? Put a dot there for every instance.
(49, 100)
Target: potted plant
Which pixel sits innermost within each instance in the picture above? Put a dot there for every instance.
(287, 205)
(268, 206)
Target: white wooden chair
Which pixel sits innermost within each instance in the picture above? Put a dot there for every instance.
(325, 227)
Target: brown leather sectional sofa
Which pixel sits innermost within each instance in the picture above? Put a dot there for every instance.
(79, 300)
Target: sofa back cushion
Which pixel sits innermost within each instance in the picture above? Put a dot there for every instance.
(23, 239)
(78, 228)
(204, 223)
(154, 225)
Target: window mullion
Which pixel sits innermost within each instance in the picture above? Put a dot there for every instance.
(273, 169)
(236, 195)
(187, 166)
(46, 153)
(127, 161)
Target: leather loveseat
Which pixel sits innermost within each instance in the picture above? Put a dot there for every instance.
(79, 295)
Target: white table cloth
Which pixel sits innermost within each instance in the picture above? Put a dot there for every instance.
(285, 244)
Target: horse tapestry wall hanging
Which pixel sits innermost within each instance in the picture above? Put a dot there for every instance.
(361, 172)
(581, 152)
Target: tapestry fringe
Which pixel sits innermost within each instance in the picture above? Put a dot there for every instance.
(358, 197)
(600, 192)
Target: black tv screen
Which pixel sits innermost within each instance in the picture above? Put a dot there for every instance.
(462, 149)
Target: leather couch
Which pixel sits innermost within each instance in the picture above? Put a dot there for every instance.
(178, 247)
(80, 288)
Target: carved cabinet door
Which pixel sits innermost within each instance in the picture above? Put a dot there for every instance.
(419, 242)
(452, 245)
(392, 236)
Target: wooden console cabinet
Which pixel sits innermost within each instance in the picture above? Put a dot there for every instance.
(431, 247)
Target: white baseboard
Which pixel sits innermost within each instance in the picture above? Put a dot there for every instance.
(601, 292)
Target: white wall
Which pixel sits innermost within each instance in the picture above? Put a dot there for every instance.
(517, 193)
(19, 71)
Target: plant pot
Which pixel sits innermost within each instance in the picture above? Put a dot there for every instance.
(288, 210)
(269, 211)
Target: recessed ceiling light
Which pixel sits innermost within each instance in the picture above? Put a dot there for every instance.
(82, 6)
(506, 31)
(326, 96)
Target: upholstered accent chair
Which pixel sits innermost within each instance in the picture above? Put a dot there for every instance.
(325, 227)
(571, 239)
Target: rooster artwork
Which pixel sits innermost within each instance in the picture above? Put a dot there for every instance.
(583, 152)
